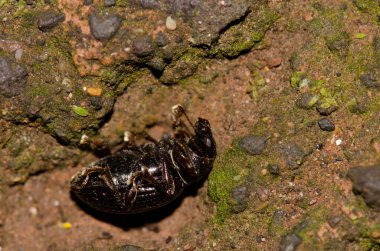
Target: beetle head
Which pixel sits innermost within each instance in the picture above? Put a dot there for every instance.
(203, 142)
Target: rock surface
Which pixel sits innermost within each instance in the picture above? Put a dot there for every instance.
(366, 183)
(13, 78)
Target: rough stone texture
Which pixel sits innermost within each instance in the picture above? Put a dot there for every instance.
(366, 182)
(290, 242)
(326, 124)
(293, 155)
(369, 80)
(240, 195)
(142, 46)
(133, 36)
(205, 27)
(13, 78)
(254, 144)
(104, 27)
(48, 20)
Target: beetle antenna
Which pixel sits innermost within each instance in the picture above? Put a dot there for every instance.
(177, 112)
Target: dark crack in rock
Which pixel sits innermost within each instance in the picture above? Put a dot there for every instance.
(104, 27)
(290, 242)
(50, 19)
(366, 182)
(254, 144)
(13, 78)
(210, 18)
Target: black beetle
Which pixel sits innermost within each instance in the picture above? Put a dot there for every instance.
(142, 178)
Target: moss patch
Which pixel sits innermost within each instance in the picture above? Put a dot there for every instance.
(229, 171)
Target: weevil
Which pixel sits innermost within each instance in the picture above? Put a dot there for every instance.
(144, 177)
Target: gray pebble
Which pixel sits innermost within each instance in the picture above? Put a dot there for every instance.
(326, 125)
(325, 111)
(61, 137)
(366, 182)
(18, 54)
(87, 2)
(334, 220)
(293, 155)
(254, 144)
(290, 242)
(369, 81)
(161, 39)
(13, 78)
(157, 64)
(274, 170)
(143, 46)
(48, 20)
(109, 3)
(306, 101)
(149, 4)
(240, 195)
(104, 27)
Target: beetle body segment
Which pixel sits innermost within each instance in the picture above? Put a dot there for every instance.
(143, 178)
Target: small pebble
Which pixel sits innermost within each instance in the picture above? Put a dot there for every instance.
(171, 24)
(48, 20)
(254, 144)
(18, 54)
(65, 225)
(143, 46)
(334, 220)
(369, 80)
(290, 242)
(109, 3)
(87, 2)
(274, 170)
(338, 142)
(366, 183)
(264, 172)
(326, 125)
(307, 101)
(33, 211)
(312, 202)
(262, 194)
(94, 91)
(104, 27)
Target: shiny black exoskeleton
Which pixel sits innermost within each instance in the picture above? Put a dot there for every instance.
(143, 178)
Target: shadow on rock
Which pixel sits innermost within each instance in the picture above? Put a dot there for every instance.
(128, 221)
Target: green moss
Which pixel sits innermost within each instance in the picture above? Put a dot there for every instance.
(183, 67)
(371, 7)
(242, 37)
(296, 78)
(257, 85)
(228, 172)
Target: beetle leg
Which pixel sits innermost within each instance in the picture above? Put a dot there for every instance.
(167, 184)
(84, 176)
(178, 111)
